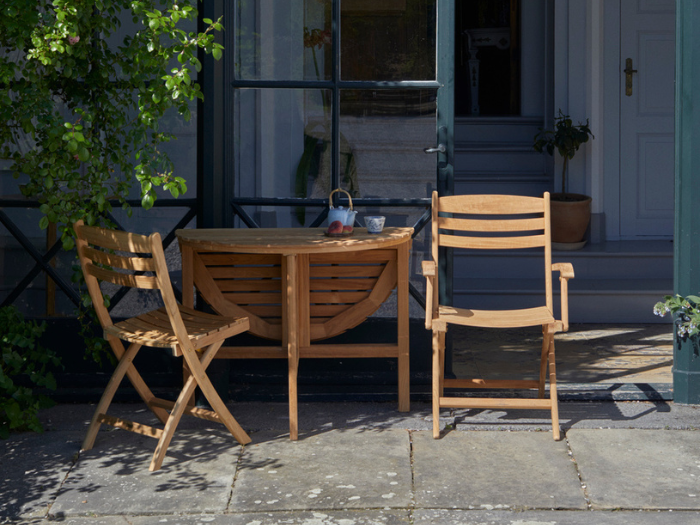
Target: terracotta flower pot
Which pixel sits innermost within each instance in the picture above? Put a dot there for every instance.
(571, 214)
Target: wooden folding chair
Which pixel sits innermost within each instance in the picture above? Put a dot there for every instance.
(137, 261)
(494, 222)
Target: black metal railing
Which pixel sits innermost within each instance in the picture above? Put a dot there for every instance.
(43, 261)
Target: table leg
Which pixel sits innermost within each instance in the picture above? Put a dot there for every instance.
(403, 327)
(290, 320)
(187, 300)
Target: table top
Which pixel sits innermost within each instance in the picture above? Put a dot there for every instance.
(287, 241)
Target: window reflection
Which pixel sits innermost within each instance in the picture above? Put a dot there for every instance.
(487, 56)
(282, 40)
(388, 40)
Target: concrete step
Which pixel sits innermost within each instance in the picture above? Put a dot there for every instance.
(616, 282)
(590, 301)
(504, 130)
(610, 260)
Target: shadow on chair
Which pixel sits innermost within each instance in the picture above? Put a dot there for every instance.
(137, 261)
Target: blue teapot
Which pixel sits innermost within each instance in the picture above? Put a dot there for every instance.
(344, 215)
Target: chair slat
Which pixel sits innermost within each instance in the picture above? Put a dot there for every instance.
(491, 204)
(115, 240)
(475, 225)
(122, 279)
(137, 264)
(491, 243)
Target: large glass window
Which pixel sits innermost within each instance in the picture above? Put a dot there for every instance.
(333, 94)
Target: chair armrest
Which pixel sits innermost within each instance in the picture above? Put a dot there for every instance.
(430, 272)
(566, 272)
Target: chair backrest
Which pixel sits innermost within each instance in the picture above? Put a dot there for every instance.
(125, 259)
(494, 222)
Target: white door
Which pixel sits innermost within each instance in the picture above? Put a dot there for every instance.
(647, 119)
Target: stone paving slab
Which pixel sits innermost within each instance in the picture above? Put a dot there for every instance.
(339, 469)
(639, 469)
(113, 478)
(472, 517)
(349, 517)
(32, 468)
(472, 470)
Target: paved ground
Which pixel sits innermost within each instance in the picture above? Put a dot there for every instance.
(365, 463)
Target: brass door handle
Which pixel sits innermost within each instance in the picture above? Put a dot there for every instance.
(628, 77)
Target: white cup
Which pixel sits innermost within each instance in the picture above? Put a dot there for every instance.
(374, 223)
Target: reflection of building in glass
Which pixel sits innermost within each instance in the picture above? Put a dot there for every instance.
(487, 57)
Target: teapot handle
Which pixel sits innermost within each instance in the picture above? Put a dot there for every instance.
(330, 198)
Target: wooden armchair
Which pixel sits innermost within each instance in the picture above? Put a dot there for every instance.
(137, 261)
(493, 222)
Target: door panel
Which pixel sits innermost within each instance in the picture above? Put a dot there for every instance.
(647, 119)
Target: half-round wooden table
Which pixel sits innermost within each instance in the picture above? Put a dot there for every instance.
(298, 286)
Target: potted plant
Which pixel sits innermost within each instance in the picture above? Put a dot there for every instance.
(571, 212)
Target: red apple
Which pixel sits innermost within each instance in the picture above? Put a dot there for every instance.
(347, 229)
(335, 227)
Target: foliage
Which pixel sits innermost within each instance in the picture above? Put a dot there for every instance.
(687, 311)
(80, 105)
(22, 359)
(565, 139)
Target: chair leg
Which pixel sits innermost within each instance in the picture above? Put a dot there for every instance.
(170, 426)
(182, 403)
(438, 364)
(197, 368)
(553, 388)
(137, 381)
(543, 362)
(124, 364)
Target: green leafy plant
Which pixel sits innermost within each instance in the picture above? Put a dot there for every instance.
(22, 362)
(685, 309)
(81, 107)
(566, 138)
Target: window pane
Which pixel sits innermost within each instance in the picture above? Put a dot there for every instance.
(275, 40)
(386, 132)
(282, 148)
(390, 40)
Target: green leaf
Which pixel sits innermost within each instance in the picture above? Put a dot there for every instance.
(83, 154)
(44, 222)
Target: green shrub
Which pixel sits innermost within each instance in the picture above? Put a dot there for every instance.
(23, 363)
